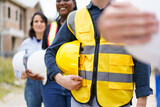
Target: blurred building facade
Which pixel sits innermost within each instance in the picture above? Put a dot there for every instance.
(15, 20)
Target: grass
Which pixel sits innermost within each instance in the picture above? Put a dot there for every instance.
(3, 92)
(6, 75)
(6, 70)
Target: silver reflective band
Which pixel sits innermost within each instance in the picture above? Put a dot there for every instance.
(118, 49)
(106, 76)
(71, 22)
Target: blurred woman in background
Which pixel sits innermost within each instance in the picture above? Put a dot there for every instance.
(33, 94)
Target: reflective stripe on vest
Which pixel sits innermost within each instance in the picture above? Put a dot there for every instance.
(114, 85)
(52, 32)
(104, 49)
(103, 76)
(71, 23)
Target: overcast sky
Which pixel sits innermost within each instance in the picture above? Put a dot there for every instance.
(49, 6)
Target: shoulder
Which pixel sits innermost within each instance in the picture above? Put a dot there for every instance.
(26, 41)
(29, 41)
(72, 15)
(70, 21)
(77, 11)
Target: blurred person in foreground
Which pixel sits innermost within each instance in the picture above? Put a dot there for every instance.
(53, 94)
(33, 95)
(125, 23)
(106, 73)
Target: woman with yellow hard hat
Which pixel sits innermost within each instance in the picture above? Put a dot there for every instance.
(31, 45)
(53, 94)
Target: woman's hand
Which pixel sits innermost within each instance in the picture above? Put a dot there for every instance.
(33, 76)
(23, 75)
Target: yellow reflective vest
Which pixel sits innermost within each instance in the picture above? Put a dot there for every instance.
(114, 71)
(52, 32)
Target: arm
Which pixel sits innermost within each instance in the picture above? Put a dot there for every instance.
(142, 102)
(20, 75)
(64, 35)
(142, 82)
(17, 73)
(23, 75)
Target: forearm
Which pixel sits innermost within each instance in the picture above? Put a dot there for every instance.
(51, 63)
(142, 79)
(59, 78)
(141, 102)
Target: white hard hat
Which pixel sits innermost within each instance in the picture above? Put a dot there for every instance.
(36, 64)
(17, 61)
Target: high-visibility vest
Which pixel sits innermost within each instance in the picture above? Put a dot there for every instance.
(52, 32)
(114, 75)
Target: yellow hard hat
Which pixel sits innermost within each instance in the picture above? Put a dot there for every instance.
(67, 57)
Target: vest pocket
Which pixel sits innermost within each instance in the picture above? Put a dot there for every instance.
(85, 35)
(120, 59)
(86, 62)
(122, 86)
(120, 72)
(86, 68)
(119, 63)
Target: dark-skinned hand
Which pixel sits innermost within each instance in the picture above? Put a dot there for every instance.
(33, 76)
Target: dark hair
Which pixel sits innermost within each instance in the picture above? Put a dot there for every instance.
(75, 8)
(31, 31)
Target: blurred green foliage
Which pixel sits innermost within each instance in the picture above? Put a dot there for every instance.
(3, 92)
(6, 75)
(6, 70)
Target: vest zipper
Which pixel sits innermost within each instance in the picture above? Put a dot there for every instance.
(95, 68)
